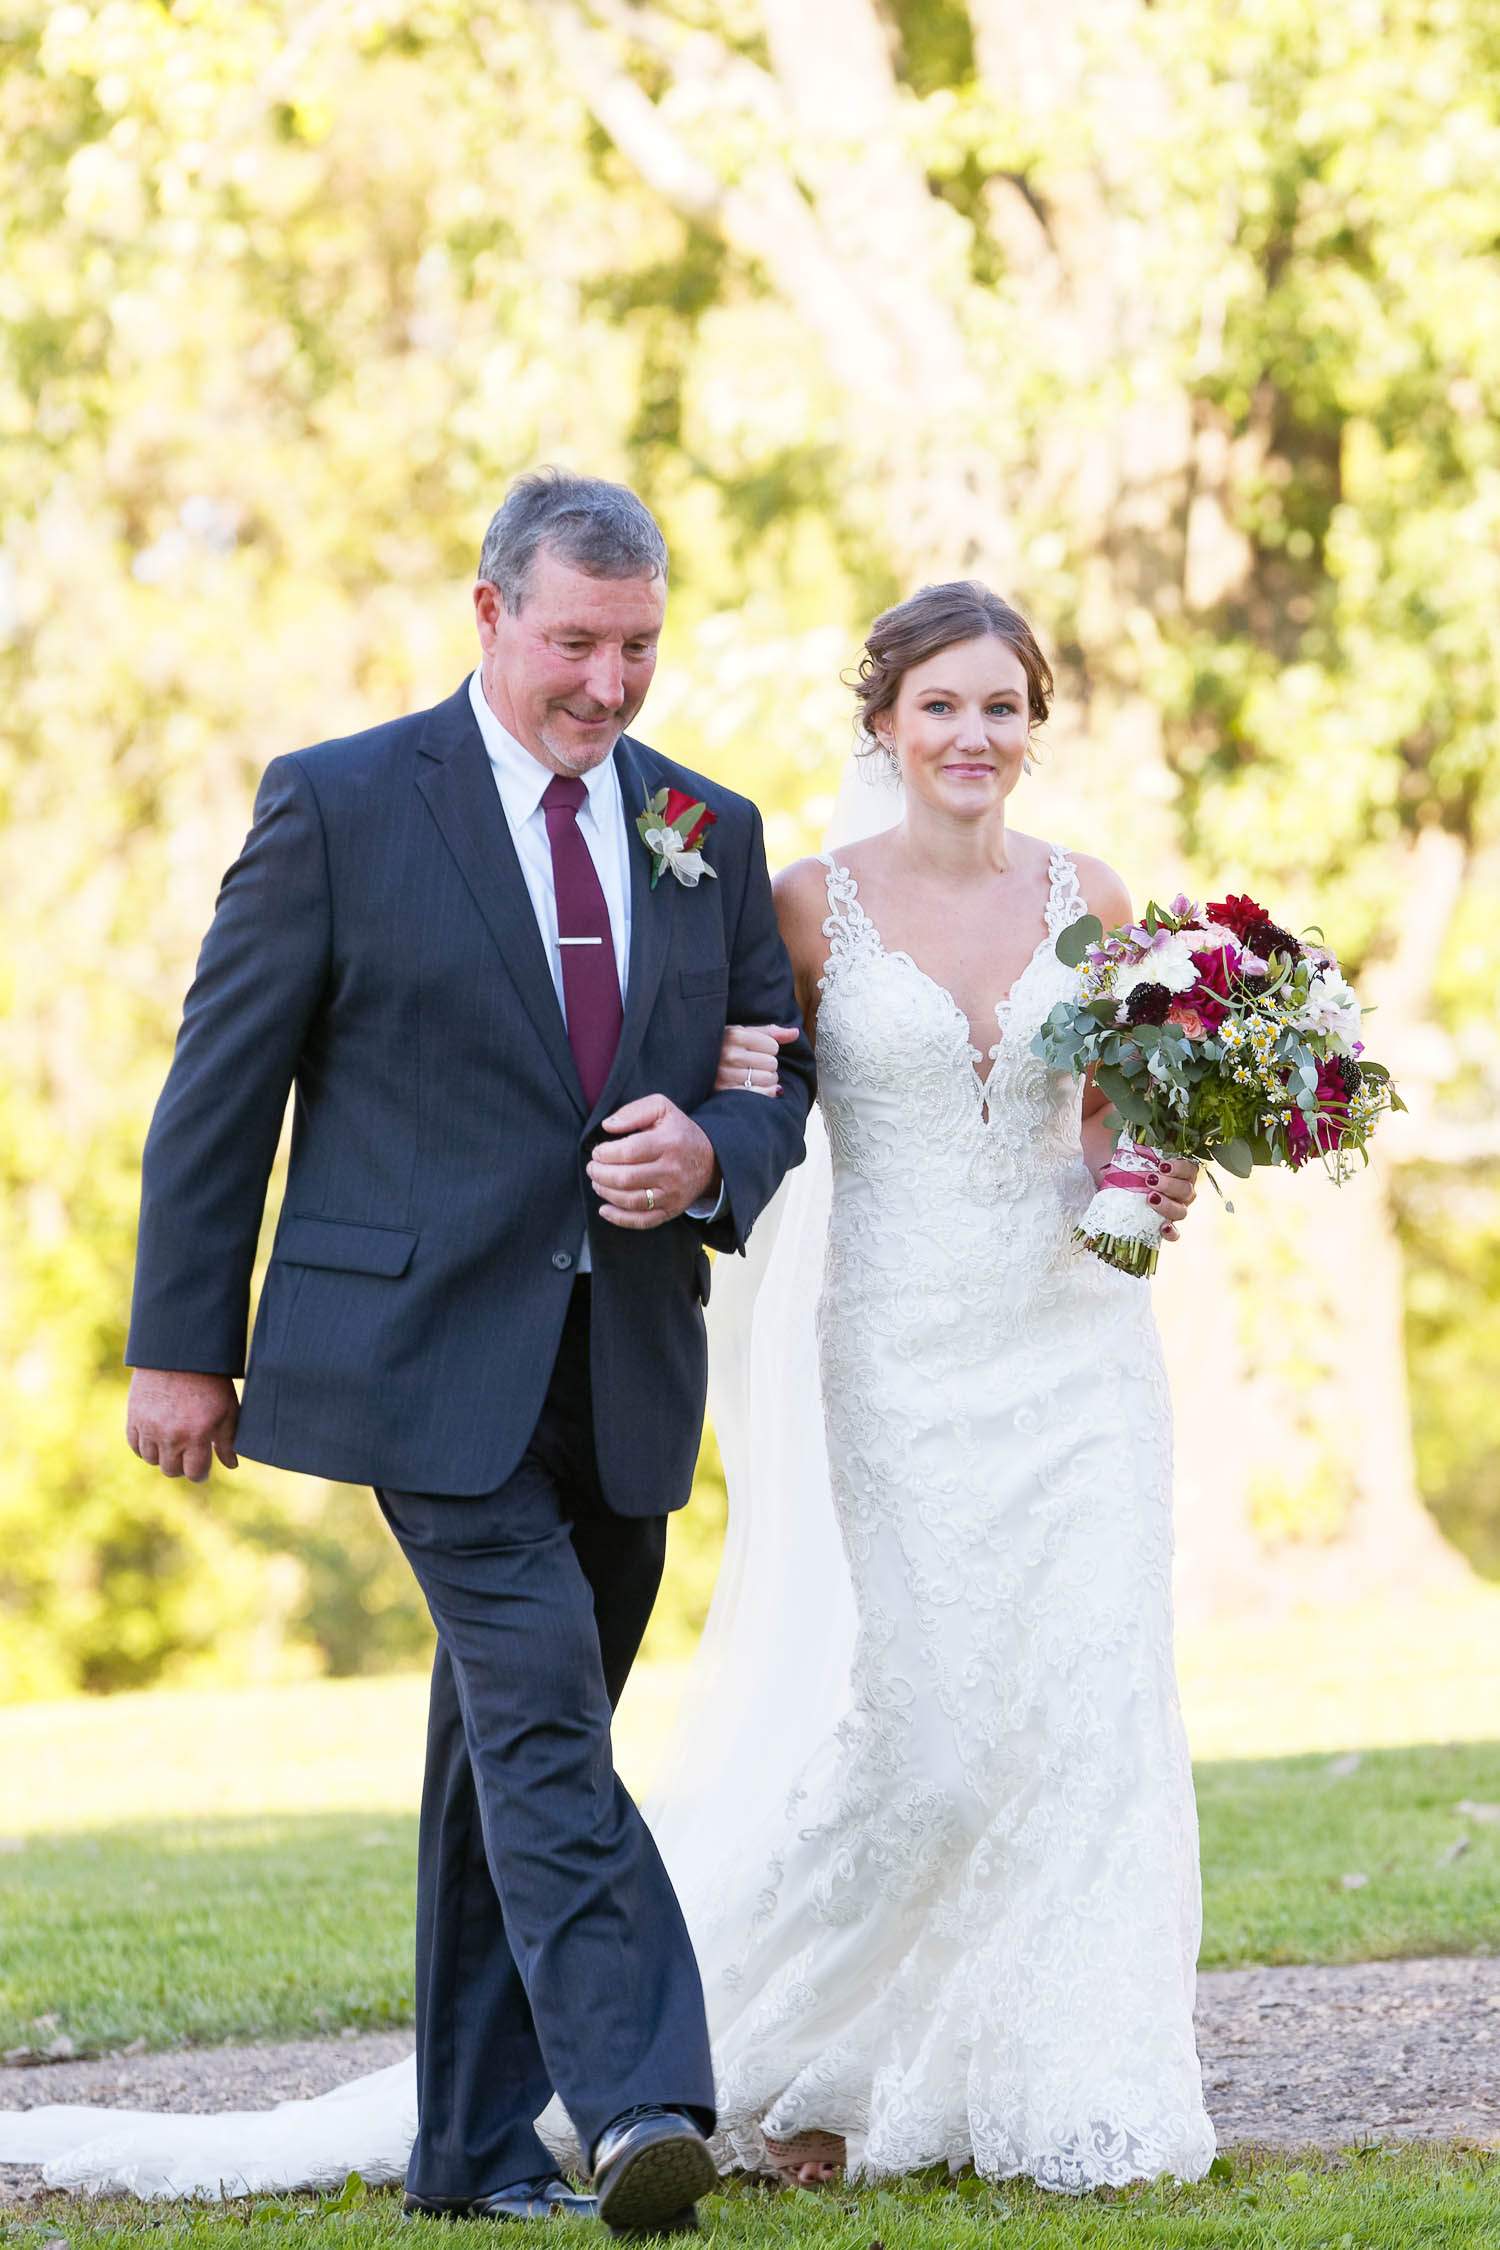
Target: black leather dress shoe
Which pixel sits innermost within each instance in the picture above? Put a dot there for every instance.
(551, 2198)
(650, 2167)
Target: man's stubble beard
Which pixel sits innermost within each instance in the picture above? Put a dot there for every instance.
(579, 762)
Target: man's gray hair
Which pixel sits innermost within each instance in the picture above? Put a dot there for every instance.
(598, 527)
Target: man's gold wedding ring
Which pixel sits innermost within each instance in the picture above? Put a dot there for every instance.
(650, 1199)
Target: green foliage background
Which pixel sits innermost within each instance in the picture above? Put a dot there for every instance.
(287, 295)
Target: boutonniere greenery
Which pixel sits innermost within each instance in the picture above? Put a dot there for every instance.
(671, 828)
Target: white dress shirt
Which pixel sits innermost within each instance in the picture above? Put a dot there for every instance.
(522, 780)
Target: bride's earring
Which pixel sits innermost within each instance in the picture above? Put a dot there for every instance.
(1028, 763)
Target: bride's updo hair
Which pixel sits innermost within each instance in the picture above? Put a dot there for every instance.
(935, 618)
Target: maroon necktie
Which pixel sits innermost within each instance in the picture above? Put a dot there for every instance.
(591, 989)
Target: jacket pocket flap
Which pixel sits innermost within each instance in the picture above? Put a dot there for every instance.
(347, 1249)
(714, 979)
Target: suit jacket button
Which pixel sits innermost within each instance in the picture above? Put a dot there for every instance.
(562, 1259)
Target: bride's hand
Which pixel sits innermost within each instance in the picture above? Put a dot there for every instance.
(748, 1058)
(1176, 1184)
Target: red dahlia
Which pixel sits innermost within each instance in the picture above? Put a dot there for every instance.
(1239, 912)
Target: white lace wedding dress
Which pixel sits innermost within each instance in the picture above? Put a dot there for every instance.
(964, 1929)
(974, 1938)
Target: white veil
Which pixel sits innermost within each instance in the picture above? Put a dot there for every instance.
(771, 1675)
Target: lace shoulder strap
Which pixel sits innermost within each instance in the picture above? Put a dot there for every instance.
(847, 920)
(845, 914)
(1065, 901)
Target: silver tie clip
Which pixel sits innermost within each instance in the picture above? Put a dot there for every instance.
(580, 941)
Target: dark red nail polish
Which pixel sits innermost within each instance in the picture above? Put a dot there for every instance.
(1152, 1178)
(1155, 1199)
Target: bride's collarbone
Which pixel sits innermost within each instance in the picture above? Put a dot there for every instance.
(975, 946)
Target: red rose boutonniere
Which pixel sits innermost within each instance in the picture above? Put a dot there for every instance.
(671, 828)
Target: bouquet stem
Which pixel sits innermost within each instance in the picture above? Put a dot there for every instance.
(1129, 1255)
(1121, 1225)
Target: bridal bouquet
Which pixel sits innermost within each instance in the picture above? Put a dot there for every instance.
(1217, 1035)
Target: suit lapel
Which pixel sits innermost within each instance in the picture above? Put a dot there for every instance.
(455, 779)
(651, 917)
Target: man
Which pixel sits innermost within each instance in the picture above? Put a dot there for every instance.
(500, 1008)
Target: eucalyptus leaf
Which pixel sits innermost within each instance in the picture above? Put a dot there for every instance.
(1075, 940)
(1134, 1110)
(1113, 1082)
(1237, 1157)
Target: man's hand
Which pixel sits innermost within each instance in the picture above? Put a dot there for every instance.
(659, 1164)
(177, 1422)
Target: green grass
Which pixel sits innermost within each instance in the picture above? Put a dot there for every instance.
(1377, 2199)
(1280, 1836)
(204, 1930)
(289, 1924)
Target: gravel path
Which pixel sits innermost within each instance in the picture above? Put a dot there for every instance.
(1292, 2058)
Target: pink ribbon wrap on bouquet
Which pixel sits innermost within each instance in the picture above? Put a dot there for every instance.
(1122, 1225)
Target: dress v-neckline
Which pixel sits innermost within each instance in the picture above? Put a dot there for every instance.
(961, 1016)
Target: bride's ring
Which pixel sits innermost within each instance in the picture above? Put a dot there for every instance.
(749, 1082)
(650, 1199)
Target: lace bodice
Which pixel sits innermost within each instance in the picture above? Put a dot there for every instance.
(912, 1122)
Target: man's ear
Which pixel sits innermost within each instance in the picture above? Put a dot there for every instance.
(488, 605)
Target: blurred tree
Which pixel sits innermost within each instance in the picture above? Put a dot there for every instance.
(1174, 321)
(281, 311)
(1125, 318)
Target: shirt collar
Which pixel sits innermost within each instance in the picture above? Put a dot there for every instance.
(523, 779)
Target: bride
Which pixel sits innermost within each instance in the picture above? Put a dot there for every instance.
(942, 1874)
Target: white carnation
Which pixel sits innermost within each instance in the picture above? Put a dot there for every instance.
(1170, 962)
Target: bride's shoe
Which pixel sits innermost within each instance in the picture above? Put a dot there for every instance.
(808, 2159)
